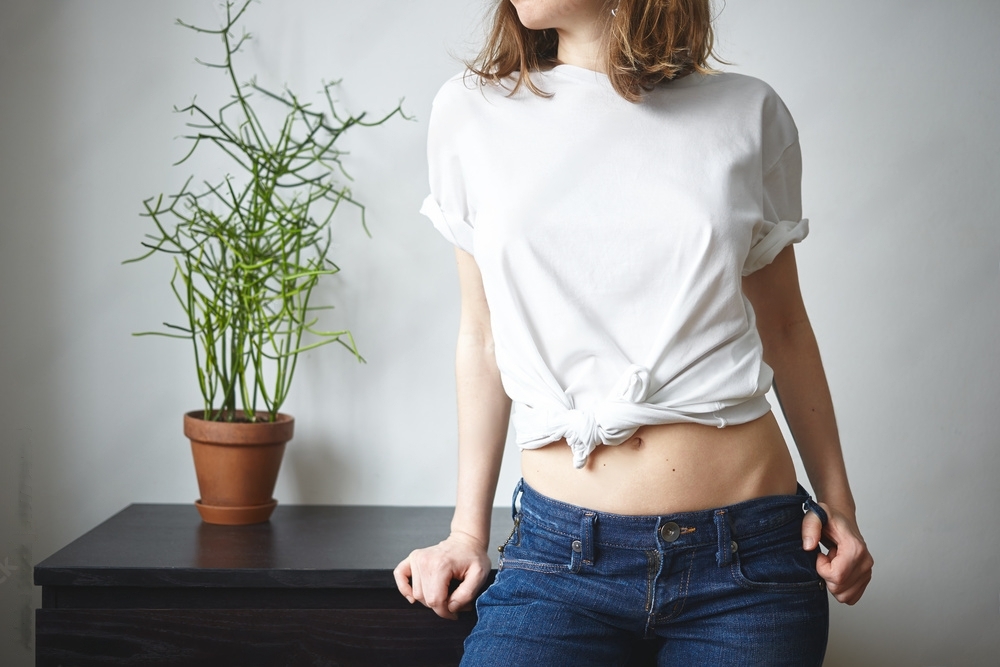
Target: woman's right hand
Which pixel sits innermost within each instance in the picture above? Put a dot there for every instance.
(426, 574)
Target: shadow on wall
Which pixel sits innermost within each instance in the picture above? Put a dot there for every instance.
(844, 651)
(16, 569)
(33, 260)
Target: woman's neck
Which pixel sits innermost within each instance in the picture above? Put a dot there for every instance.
(581, 44)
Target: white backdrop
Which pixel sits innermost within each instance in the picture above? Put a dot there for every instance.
(896, 102)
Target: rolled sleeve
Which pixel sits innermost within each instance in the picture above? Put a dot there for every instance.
(455, 229)
(780, 235)
(781, 222)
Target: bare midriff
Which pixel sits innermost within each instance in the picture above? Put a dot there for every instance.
(668, 468)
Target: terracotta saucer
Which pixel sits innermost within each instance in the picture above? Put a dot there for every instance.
(235, 516)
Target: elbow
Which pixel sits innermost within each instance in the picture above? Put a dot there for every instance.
(788, 342)
(476, 342)
(475, 336)
(785, 331)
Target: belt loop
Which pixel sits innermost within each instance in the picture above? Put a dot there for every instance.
(587, 537)
(724, 555)
(518, 489)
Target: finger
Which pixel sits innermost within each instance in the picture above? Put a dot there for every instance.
(439, 600)
(850, 554)
(433, 584)
(851, 594)
(849, 566)
(824, 564)
(827, 568)
(402, 576)
(812, 531)
(466, 591)
(831, 532)
(417, 580)
(847, 571)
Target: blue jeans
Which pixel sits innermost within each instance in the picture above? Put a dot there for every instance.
(728, 586)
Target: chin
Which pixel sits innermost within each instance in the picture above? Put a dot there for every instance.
(531, 22)
(535, 25)
(529, 15)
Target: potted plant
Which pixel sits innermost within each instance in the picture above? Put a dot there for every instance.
(248, 251)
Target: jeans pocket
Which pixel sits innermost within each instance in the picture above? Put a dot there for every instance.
(538, 548)
(776, 561)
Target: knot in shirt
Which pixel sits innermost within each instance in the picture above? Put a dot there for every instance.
(583, 434)
(633, 385)
(611, 420)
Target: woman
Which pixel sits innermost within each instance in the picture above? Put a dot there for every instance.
(623, 218)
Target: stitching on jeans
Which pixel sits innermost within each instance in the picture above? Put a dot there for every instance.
(544, 526)
(681, 592)
(687, 584)
(637, 547)
(771, 522)
(797, 518)
(544, 568)
(652, 567)
(775, 587)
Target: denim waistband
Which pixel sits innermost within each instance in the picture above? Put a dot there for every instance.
(718, 525)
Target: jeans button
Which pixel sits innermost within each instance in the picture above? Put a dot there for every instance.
(670, 531)
(732, 546)
(577, 546)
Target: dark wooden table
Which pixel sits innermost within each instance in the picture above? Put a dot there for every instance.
(154, 585)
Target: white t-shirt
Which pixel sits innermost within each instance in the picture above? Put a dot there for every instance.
(612, 237)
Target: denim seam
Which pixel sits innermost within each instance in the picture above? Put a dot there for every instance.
(769, 528)
(681, 592)
(544, 526)
(723, 532)
(575, 561)
(652, 567)
(651, 592)
(544, 568)
(775, 586)
(772, 524)
(674, 547)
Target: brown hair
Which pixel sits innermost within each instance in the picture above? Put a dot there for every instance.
(645, 41)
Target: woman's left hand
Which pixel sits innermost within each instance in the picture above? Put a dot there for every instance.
(847, 566)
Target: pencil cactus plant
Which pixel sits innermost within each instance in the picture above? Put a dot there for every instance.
(249, 250)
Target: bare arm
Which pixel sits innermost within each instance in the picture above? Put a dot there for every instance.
(483, 408)
(790, 349)
(483, 417)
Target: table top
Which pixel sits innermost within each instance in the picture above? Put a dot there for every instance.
(316, 546)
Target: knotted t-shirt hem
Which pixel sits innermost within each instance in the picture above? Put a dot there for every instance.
(584, 431)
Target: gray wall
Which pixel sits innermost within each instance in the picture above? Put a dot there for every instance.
(896, 103)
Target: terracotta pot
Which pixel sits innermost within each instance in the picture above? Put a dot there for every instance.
(237, 465)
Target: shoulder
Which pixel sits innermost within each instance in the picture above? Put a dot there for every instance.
(459, 114)
(745, 91)
(759, 105)
(456, 83)
(464, 92)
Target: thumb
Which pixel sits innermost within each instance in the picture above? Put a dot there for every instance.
(812, 531)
